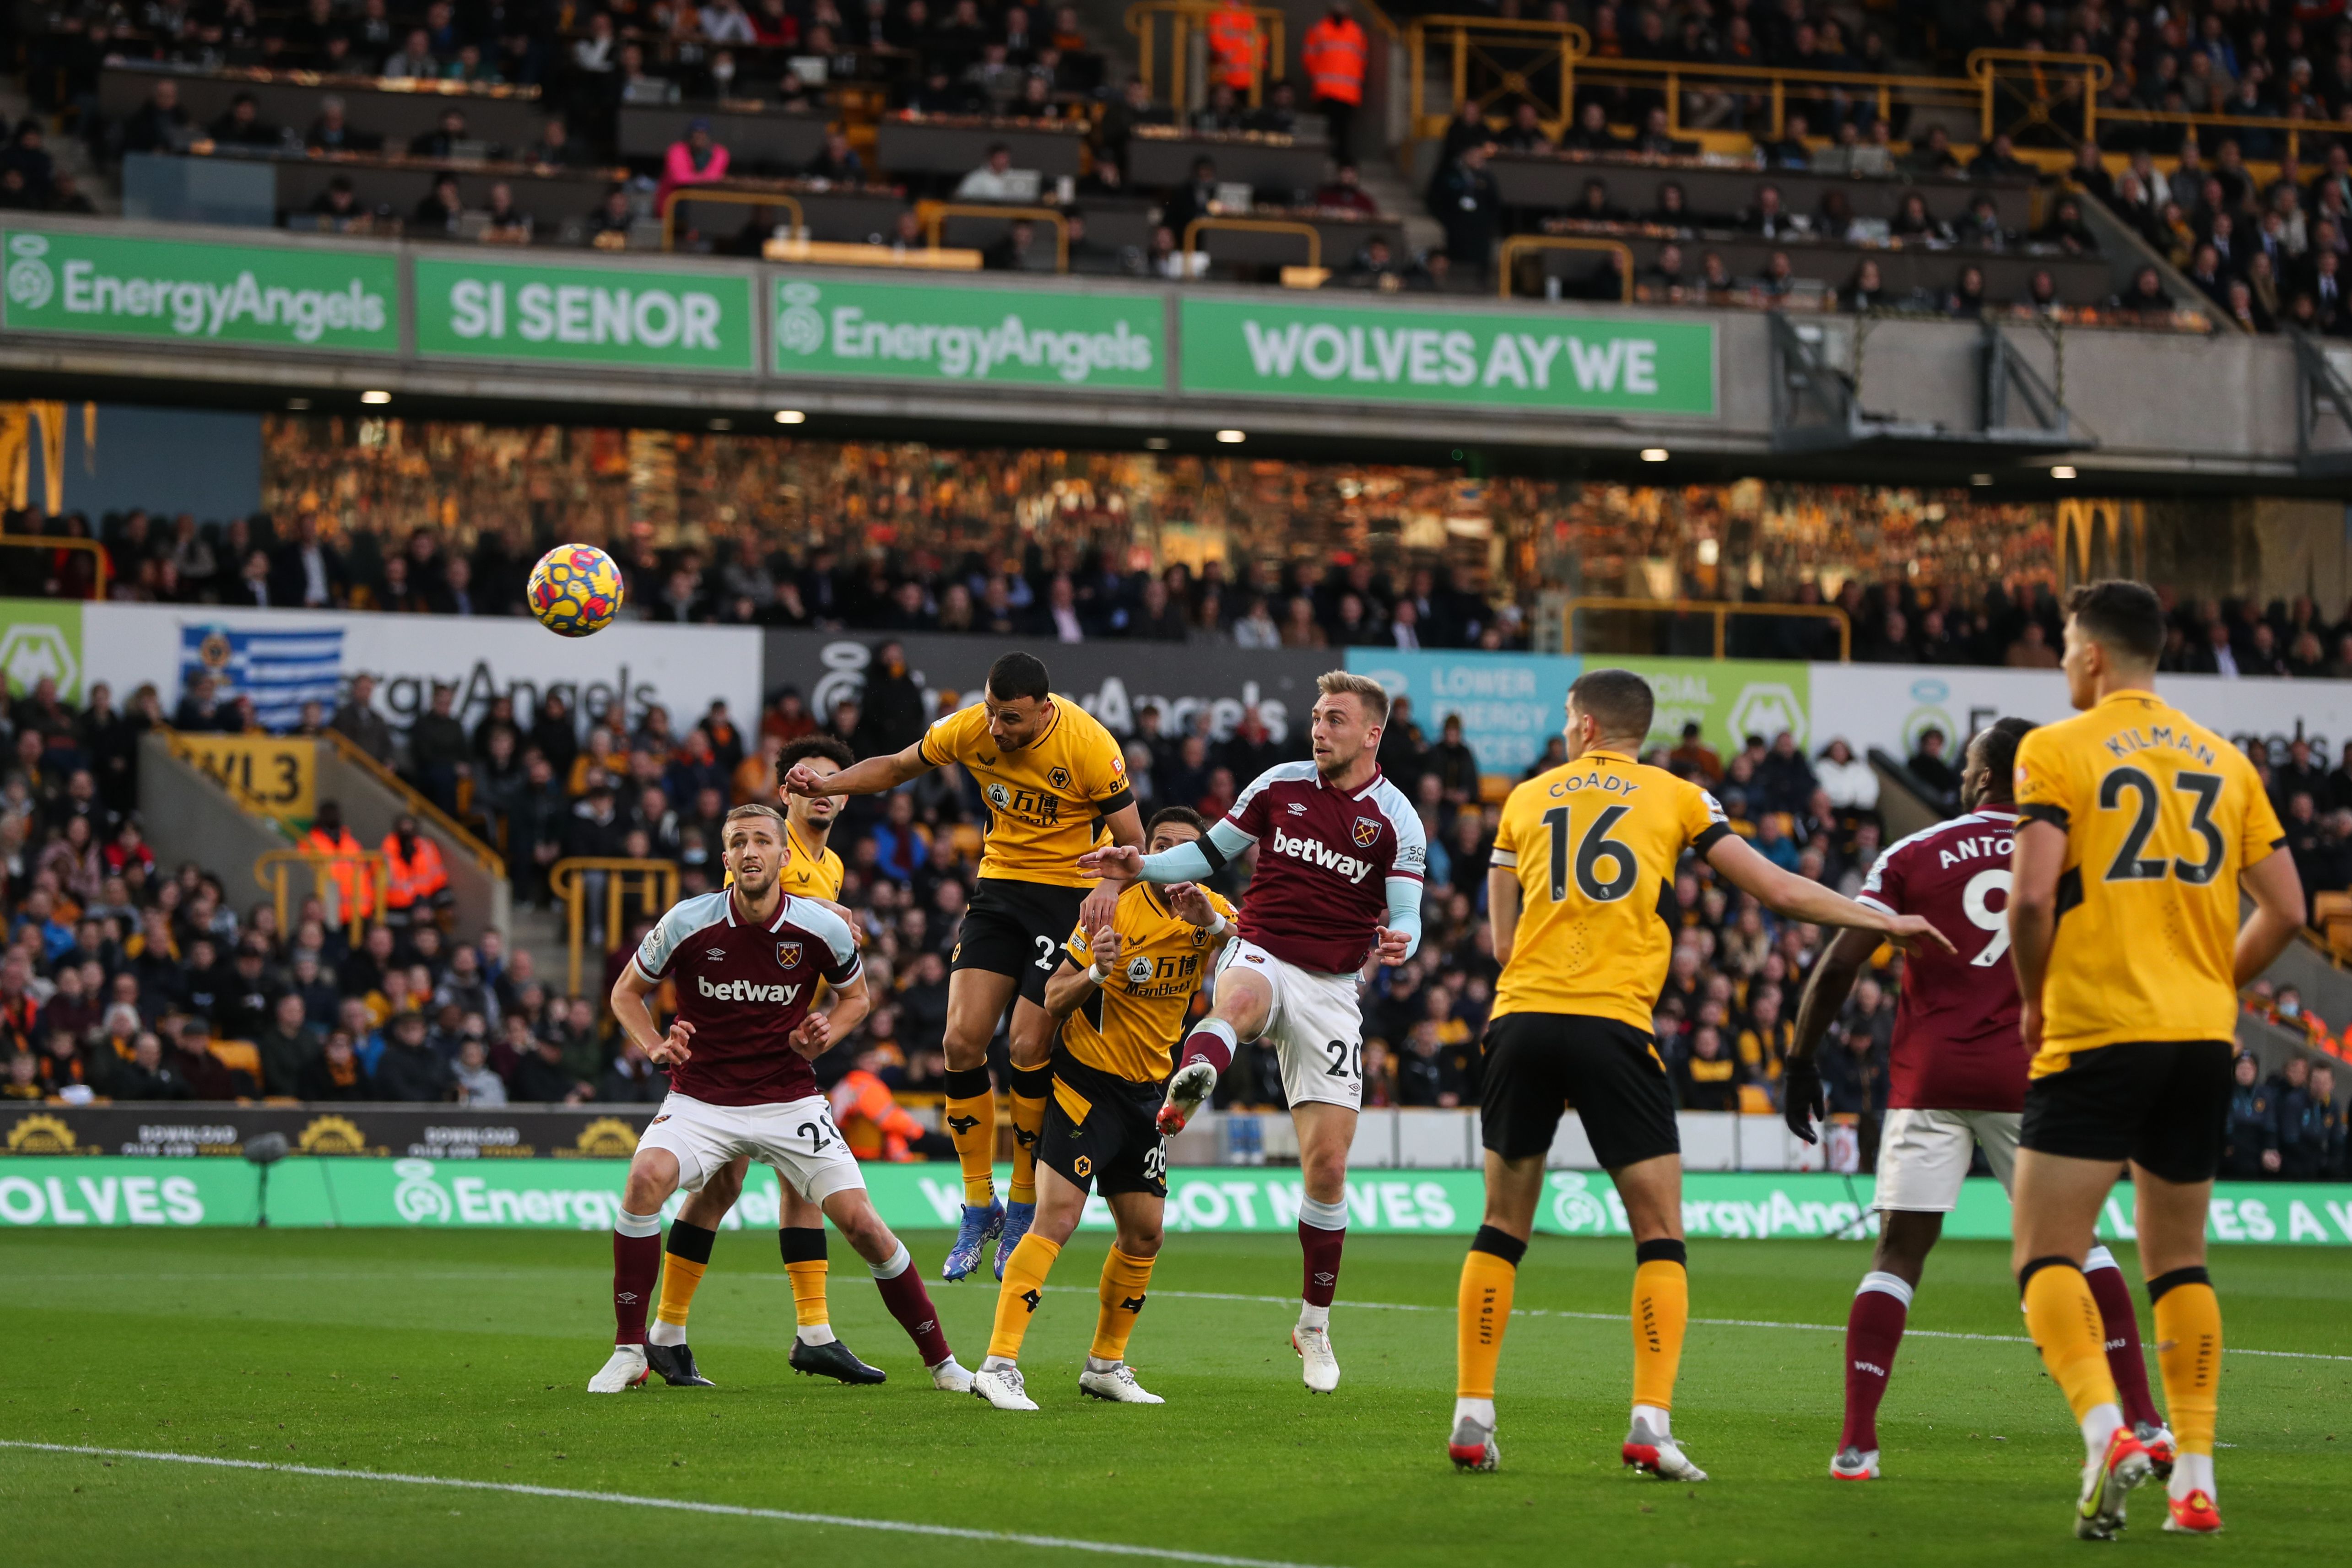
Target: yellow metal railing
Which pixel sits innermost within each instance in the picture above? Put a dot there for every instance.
(95, 550)
(1720, 611)
(1144, 18)
(1199, 225)
(1493, 62)
(1520, 245)
(685, 193)
(936, 213)
(655, 881)
(353, 913)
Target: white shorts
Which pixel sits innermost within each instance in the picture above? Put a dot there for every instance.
(1316, 1025)
(1923, 1155)
(797, 1137)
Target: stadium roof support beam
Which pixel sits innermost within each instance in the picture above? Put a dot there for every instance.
(1816, 409)
(2321, 389)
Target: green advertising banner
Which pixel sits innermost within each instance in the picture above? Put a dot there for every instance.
(274, 296)
(585, 1194)
(969, 332)
(41, 640)
(480, 308)
(1728, 700)
(1465, 359)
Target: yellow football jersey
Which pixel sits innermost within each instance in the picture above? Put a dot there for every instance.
(1046, 801)
(1595, 844)
(1129, 1027)
(2160, 815)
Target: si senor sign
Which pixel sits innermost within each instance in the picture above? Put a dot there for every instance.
(623, 316)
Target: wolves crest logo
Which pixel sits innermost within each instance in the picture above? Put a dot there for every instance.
(1367, 832)
(1060, 778)
(788, 956)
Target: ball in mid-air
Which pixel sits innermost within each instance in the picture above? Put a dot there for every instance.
(575, 589)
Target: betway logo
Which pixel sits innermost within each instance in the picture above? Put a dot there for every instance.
(1315, 852)
(744, 991)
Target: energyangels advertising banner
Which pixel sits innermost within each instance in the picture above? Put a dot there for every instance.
(585, 1194)
(272, 296)
(1464, 359)
(969, 333)
(682, 319)
(281, 657)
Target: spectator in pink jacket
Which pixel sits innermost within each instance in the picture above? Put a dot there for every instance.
(699, 160)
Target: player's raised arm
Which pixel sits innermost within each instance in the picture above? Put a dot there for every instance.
(2276, 889)
(1124, 827)
(1085, 964)
(872, 776)
(819, 1031)
(1196, 862)
(1786, 893)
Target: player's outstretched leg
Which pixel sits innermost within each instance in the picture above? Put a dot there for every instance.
(893, 1268)
(1482, 1312)
(2125, 1361)
(1018, 1297)
(684, 1257)
(1030, 1088)
(1201, 1060)
(815, 1351)
(1874, 1329)
(2189, 1354)
(1325, 1132)
(636, 1261)
(1126, 1279)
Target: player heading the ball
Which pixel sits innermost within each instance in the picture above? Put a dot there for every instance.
(1055, 783)
(1337, 889)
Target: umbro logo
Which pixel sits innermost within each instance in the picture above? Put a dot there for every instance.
(1132, 1304)
(1029, 1299)
(926, 1326)
(715, 954)
(960, 1125)
(625, 1298)
(1297, 808)
(1327, 1280)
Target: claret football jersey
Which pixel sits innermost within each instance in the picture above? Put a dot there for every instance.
(1956, 1041)
(2160, 815)
(1320, 896)
(745, 987)
(1046, 801)
(1595, 843)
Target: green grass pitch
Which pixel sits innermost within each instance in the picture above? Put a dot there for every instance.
(465, 1356)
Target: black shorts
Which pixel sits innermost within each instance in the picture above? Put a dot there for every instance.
(1102, 1130)
(1017, 928)
(1538, 1065)
(2163, 1104)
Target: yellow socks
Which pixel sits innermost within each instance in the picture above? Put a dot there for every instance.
(971, 1124)
(1661, 1317)
(684, 1257)
(2063, 1316)
(2189, 1354)
(1482, 1310)
(804, 1264)
(1124, 1281)
(1030, 1088)
(1017, 1297)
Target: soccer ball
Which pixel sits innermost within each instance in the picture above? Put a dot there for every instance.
(575, 589)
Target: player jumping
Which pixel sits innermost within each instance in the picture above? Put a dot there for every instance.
(1055, 783)
(747, 960)
(1959, 1078)
(1580, 896)
(812, 871)
(2142, 828)
(1338, 885)
(1120, 996)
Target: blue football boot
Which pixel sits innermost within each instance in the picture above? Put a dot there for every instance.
(1018, 1217)
(982, 1224)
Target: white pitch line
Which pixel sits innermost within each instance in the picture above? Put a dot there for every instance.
(1711, 1323)
(733, 1510)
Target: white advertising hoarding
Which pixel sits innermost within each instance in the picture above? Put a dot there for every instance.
(282, 658)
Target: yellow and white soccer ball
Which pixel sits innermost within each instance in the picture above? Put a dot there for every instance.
(575, 590)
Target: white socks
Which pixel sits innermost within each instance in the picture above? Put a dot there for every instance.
(2098, 1426)
(1886, 1284)
(1096, 1364)
(994, 1363)
(1482, 1411)
(1311, 1316)
(815, 1333)
(639, 1224)
(658, 1332)
(1660, 1422)
(895, 1266)
(2192, 1473)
